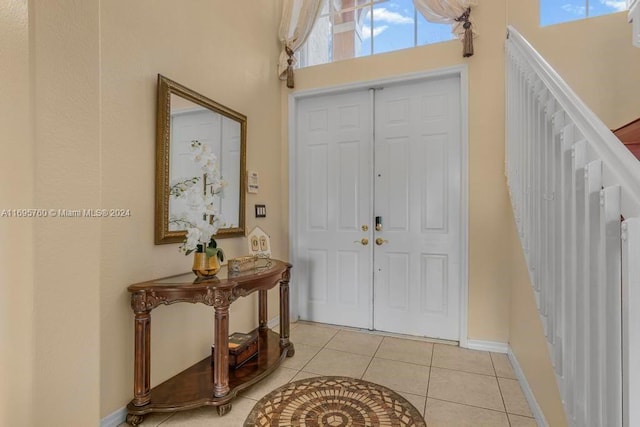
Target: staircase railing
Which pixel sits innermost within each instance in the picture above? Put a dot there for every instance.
(633, 16)
(575, 192)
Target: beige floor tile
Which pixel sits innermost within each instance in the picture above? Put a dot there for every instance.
(302, 375)
(355, 342)
(518, 421)
(398, 376)
(280, 377)
(304, 353)
(317, 336)
(502, 365)
(401, 365)
(207, 416)
(151, 420)
(339, 363)
(448, 414)
(402, 350)
(415, 400)
(514, 399)
(462, 359)
(466, 388)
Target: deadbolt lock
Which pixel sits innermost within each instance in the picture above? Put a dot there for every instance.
(378, 223)
(365, 228)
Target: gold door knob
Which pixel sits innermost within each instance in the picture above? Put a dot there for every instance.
(380, 241)
(363, 242)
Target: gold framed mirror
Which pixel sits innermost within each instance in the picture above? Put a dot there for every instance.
(184, 118)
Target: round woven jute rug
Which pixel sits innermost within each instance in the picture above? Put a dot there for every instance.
(333, 402)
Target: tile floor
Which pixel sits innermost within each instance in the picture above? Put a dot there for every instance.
(450, 386)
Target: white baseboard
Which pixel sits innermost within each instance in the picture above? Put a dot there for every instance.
(528, 393)
(273, 322)
(493, 346)
(115, 418)
(500, 347)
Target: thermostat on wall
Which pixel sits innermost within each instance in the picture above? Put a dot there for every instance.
(252, 181)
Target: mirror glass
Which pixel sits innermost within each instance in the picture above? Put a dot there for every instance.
(187, 119)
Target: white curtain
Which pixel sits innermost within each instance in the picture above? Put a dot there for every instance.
(298, 17)
(454, 12)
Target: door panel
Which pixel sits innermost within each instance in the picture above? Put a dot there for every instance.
(317, 275)
(397, 265)
(434, 283)
(333, 202)
(348, 277)
(417, 193)
(395, 168)
(349, 179)
(317, 196)
(435, 188)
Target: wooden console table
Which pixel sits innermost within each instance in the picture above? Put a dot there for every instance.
(202, 384)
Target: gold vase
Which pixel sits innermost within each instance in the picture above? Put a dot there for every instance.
(205, 266)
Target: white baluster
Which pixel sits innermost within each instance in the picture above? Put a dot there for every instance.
(611, 239)
(631, 321)
(581, 288)
(596, 295)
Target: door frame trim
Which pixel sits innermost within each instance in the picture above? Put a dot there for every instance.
(460, 71)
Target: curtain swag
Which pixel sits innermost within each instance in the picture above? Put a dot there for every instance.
(298, 17)
(454, 12)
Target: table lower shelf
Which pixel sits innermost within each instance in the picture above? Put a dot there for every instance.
(193, 387)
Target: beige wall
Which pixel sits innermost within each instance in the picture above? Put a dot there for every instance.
(488, 199)
(594, 56)
(527, 339)
(67, 175)
(91, 143)
(226, 51)
(16, 191)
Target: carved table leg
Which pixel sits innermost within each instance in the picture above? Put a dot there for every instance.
(223, 409)
(284, 314)
(221, 352)
(262, 308)
(142, 362)
(134, 420)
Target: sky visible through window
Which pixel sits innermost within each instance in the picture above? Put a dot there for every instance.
(354, 28)
(557, 11)
(394, 28)
(347, 29)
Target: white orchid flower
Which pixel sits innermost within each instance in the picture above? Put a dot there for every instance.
(207, 230)
(193, 238)
(203, 219)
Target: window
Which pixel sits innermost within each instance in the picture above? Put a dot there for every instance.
(557, 11)
(352, 28)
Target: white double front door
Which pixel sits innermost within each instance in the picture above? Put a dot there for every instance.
(394, 154)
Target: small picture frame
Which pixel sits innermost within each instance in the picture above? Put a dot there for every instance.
(259, 243)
